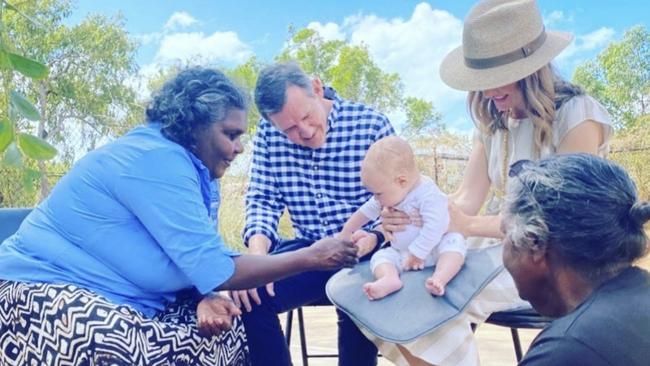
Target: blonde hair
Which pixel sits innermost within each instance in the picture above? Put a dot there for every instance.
(544, 91)
(391, 156)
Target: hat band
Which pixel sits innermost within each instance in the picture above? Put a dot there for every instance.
(518, 54)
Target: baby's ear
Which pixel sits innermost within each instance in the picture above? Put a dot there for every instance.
(401, 180)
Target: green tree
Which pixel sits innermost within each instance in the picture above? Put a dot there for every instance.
(421, 117)
(84, 99)
(348, 68)
(245, 75)
(620, 77)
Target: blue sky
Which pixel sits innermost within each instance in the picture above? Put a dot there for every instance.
(403, 36)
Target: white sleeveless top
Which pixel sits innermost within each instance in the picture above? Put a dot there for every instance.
(521, 144)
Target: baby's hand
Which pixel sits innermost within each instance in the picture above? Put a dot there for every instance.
(214, 314)
(412, 263)
(364, 241)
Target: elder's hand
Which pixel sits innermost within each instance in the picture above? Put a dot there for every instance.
(331, 253)
(214, 314)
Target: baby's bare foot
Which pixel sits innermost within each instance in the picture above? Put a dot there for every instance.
(435, 286)
(382, 287)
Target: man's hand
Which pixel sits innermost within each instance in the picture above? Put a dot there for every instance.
(412, 263)
(257, 245)
(364, 241)
(331, 253)
(214, 314)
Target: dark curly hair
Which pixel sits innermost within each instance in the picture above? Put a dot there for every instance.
(192, 101)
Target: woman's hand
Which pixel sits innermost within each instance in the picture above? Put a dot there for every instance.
(214, 314)
(331, 253)
(393, 220)
(459, 222)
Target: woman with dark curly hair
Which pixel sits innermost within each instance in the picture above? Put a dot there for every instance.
(573, 229)
(119, 264)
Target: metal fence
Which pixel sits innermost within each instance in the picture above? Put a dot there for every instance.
(20, 189)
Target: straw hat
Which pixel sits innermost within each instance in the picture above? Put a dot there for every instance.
(503, 42)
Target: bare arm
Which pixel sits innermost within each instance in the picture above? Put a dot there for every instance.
(585, 137)
(476, 182)
(466, 202)
(259, 244)
(256, 270)
(354, 223)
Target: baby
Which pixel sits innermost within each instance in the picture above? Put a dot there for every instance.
(389, 171)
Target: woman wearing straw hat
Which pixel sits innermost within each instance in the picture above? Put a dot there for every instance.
(522, 110)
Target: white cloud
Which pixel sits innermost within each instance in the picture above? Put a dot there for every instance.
(219, 48)
(329, 31)
(557, 17)
(147, 38)
(413, 48)
(180, 19)
(584, 47)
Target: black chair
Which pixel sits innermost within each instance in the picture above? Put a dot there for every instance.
(10, 220)
(302, 334)
(526, 318)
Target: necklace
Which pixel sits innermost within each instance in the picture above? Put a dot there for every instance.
(500, 192)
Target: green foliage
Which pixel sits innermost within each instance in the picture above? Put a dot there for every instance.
(24, 106)
(348, 68)
(620, 77)
(27, 67)
(77, 74)
(35, 148)
(421, 116)
(6, 133)
(18, 106)
(245, 75)
(631, 149)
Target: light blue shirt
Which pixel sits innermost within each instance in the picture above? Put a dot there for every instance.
(133, 221)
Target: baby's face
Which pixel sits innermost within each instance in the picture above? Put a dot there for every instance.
(387, 189)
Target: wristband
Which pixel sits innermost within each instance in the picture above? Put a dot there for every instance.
(380, 236)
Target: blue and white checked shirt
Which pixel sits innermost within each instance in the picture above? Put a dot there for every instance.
(320, 187)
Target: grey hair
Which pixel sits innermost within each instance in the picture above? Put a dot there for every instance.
(192, 101)
(272, 84)
(582, 207)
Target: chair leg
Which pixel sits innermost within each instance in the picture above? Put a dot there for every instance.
(287, 327)
(517, 343)
(303, 338)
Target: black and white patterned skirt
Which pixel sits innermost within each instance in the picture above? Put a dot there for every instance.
(45, 324)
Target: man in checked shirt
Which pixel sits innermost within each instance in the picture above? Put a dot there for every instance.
(306, 158)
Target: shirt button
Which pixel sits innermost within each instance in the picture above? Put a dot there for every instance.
(318, 195)
(315, 167)
(325, 222)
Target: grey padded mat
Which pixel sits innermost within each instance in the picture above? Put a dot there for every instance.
(412, 311)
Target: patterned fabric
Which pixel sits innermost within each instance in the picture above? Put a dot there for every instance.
(320, 187)
(45, 324)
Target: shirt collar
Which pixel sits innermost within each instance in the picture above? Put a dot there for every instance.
(331, 94)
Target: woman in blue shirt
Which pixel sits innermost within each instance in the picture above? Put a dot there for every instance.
(110, 267)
